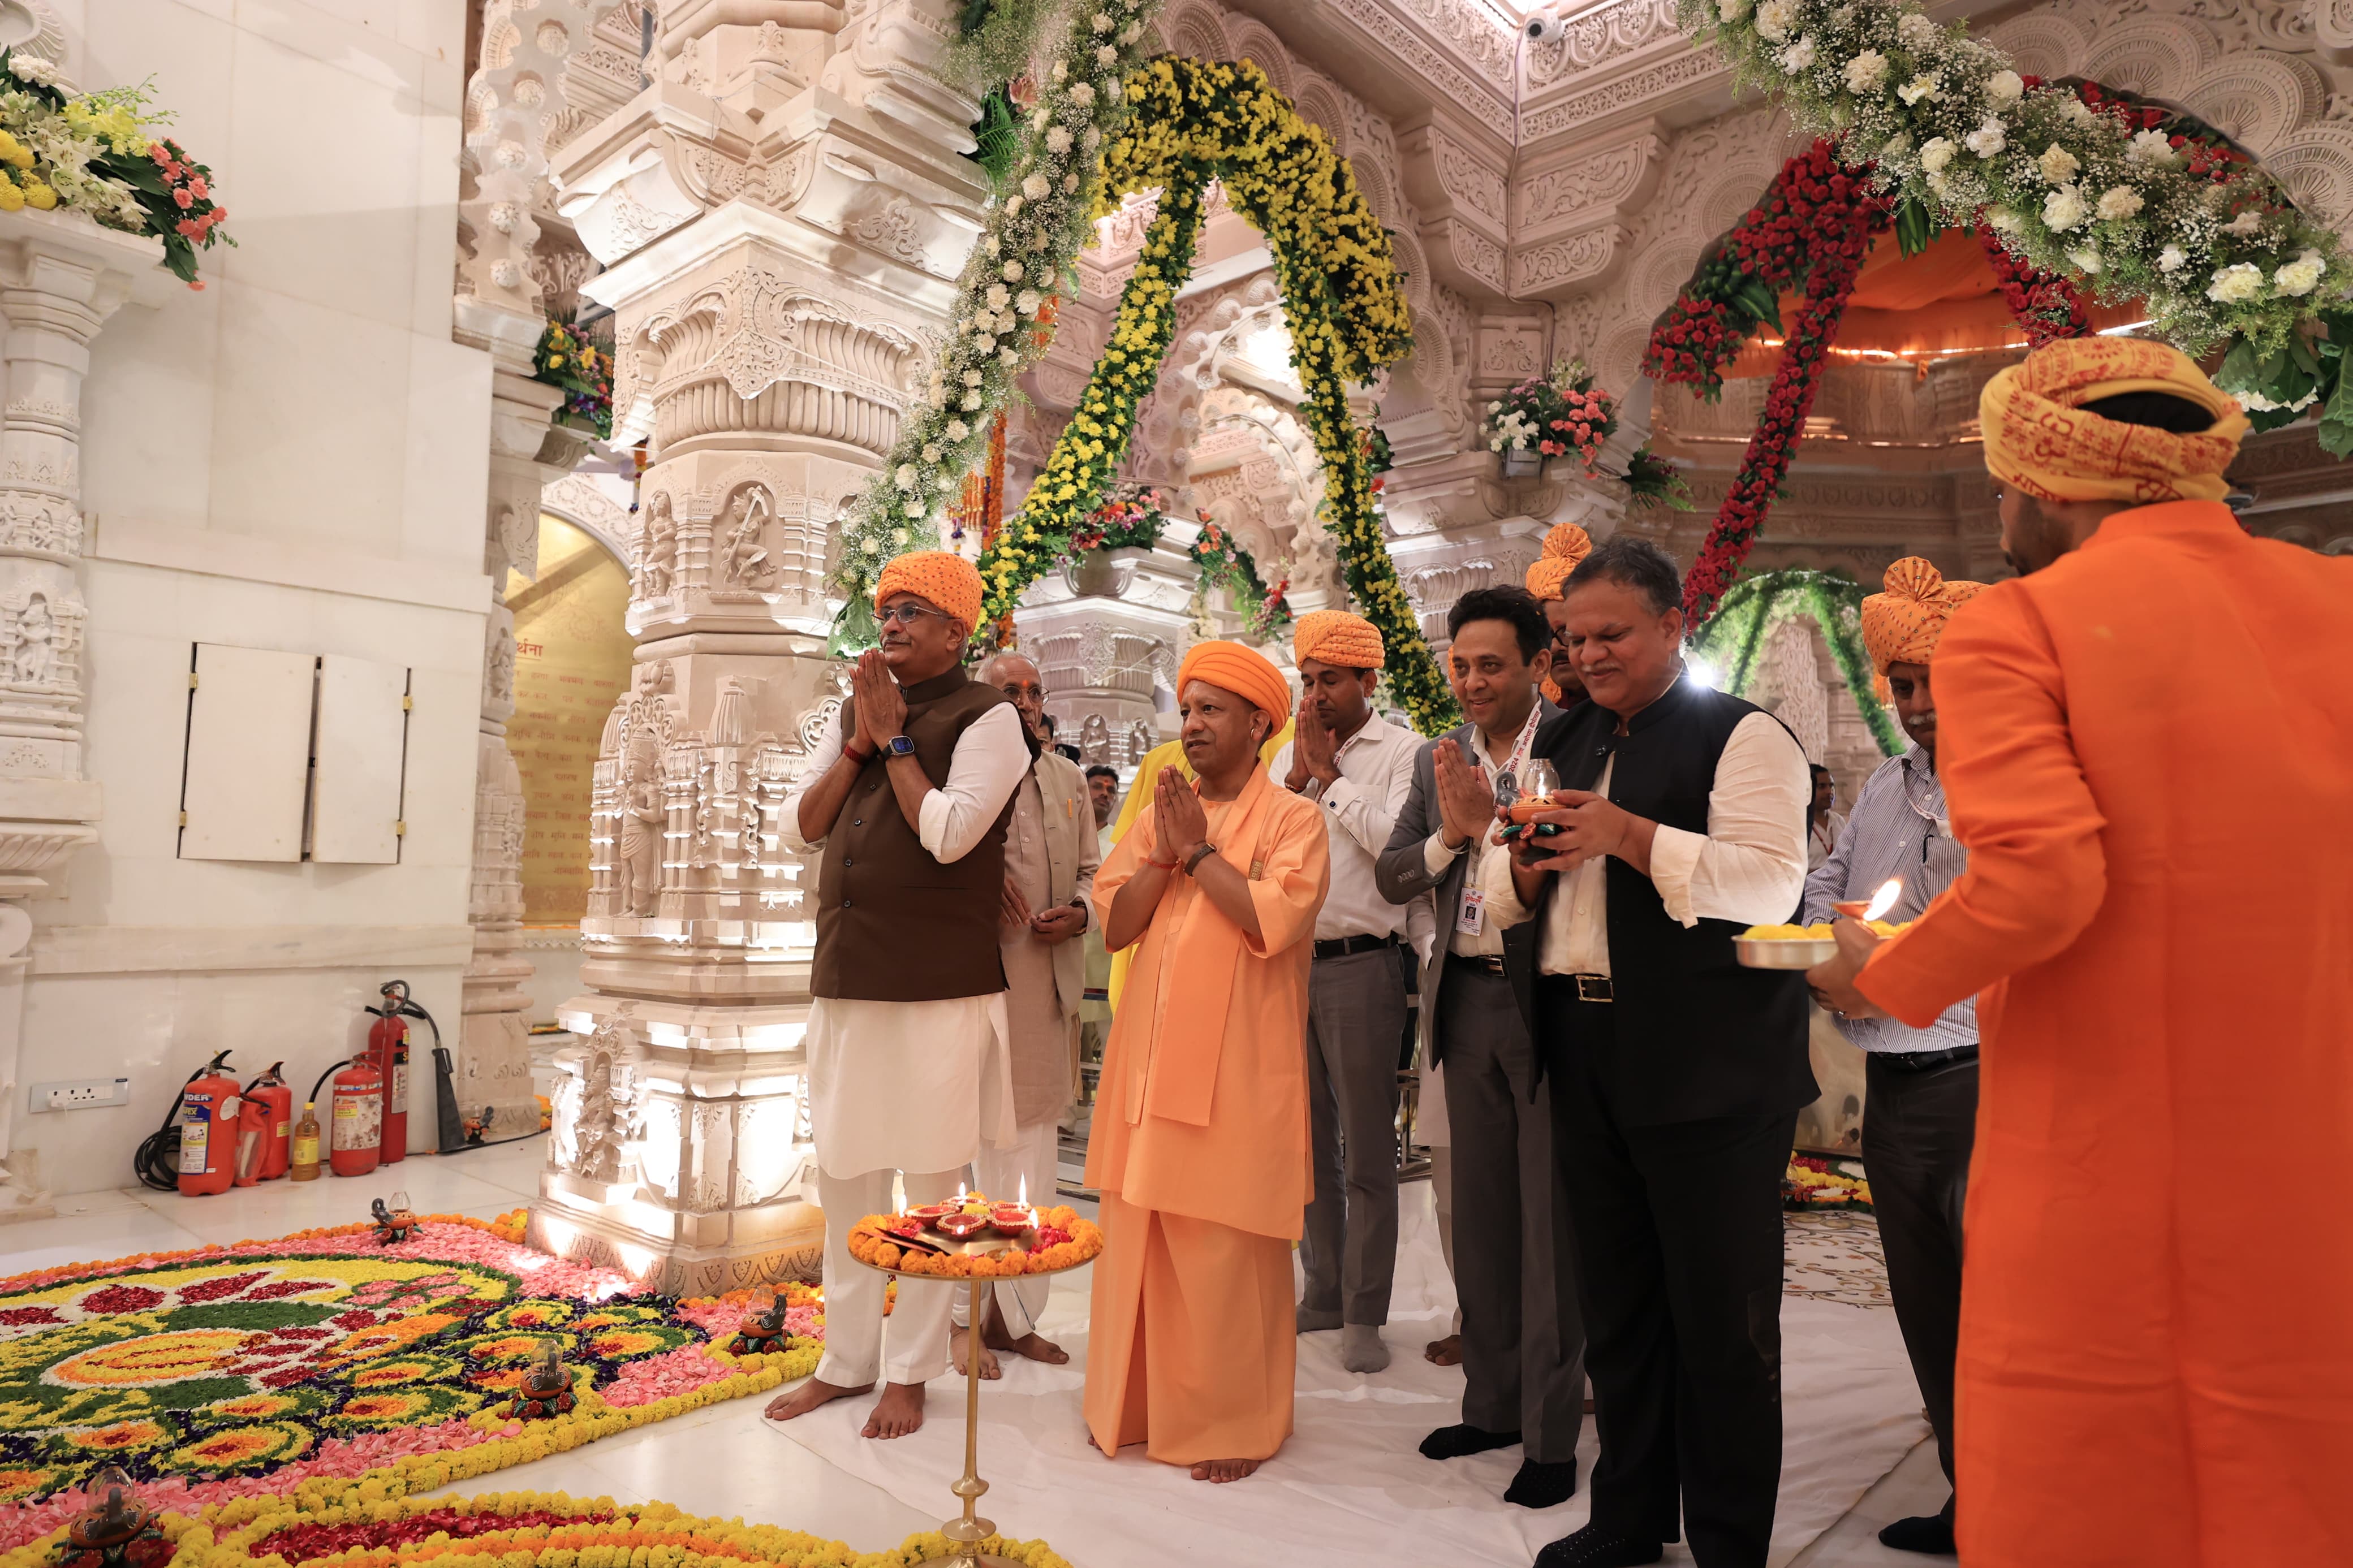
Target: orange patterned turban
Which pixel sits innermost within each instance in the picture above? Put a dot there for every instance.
(1335, 637)
(2038, 437)
(942, 579)
(1902, 625)
(1564, 548)
(1245, 672)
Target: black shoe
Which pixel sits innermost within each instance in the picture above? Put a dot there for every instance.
(1454, 1442)
(1596, 1546)
(1541, 1485)
(1931, 1533)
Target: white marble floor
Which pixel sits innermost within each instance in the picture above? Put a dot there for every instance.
(716, 1460)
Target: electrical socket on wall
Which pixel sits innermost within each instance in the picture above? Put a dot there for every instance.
(82, 1094)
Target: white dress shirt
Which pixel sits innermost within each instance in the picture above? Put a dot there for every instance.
(917, 1086)
(1360, 808)
(1493, 859)
(1749, 865)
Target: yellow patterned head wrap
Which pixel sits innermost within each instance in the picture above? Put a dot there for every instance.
(2038, 436)
(1336, 637)
(1564, 548)
(1902, 625)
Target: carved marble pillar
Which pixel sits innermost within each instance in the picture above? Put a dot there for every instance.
(493, 1056)
(783, 216)
(60, 277)
(1101, 658)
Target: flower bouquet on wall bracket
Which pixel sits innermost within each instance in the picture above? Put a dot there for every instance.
(1106, 546)
(567, 359)
(97, 154)
(1222, 563)
(1563, 415)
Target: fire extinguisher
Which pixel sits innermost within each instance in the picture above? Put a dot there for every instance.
(356, 1116)
(387, 1047)
(275, 1097)
(208, 1118)
(163, 1153)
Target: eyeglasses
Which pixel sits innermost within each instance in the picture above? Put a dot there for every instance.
(905, 613)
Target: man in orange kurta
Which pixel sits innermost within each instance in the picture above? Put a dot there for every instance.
(1201, 1138)
(2148, 751)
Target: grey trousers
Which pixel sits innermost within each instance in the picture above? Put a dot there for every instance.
(1356, 1014)
(1515, 1268)
(1917, 1131)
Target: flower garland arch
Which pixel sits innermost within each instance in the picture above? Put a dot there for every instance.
(1732, 639)
(1191, 122)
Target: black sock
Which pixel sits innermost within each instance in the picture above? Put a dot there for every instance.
(1454, 1442)
(1931, 1533)
(1541, 1484)
(1597, 1546)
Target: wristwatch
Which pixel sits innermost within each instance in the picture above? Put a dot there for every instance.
(1201, 851)
(901, 746)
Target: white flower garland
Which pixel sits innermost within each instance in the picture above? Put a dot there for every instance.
(1033, 237)
(2077, 192)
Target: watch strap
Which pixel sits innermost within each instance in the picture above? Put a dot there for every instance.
(1201, 853)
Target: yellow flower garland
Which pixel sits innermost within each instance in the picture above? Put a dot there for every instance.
(1192, 120)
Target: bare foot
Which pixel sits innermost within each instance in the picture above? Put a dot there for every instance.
(1223, 1471)
(807, 1398)
(1029, 1347)
(958, 1340)
(899, 1412)
(1447, 1351)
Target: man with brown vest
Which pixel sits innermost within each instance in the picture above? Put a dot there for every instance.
(909, 792)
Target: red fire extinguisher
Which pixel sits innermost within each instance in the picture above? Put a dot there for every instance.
(356, 1116)
(388, 1049)
(276, 1098)
(208, 1114)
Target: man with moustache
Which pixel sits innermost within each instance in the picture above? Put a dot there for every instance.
(909, 791)
(2145, 743)
(1565, 546)
(1522, 1346)
(1676, 1075)
(1051, 857)
(1358, 768)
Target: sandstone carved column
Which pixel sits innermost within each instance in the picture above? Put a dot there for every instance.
(783, 216)
(60, 277)
(494, 1051)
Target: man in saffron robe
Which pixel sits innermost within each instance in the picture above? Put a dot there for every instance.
(1200, 1139)
(2144, 750)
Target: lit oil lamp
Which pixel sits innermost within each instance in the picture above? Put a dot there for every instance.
(1014, 1219)
(1878, 905)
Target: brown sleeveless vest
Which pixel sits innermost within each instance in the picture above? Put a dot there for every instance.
(892, 923)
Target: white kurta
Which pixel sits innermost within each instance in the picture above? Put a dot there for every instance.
(917, 1086)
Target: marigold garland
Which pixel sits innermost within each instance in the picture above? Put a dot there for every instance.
(871, 1243)
(375, 1523)
(1193, 121)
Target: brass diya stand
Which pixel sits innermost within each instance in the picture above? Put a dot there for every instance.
(966, 1531)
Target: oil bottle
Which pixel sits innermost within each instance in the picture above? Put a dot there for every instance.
(304, 1166)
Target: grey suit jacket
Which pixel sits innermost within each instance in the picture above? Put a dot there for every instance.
(1402, 873)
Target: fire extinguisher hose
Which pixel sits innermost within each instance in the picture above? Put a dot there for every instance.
(324, 1076)
(157, 1162)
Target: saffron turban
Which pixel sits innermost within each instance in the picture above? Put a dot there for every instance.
(1564, 548)
(944, 581)
(1243, 672)
(1902, 625)
(2038, 437)
(1335, 637)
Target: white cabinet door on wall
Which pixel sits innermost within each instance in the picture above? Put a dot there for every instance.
(356, 757)
(248, 754)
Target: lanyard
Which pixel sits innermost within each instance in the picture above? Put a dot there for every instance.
(1519, 748)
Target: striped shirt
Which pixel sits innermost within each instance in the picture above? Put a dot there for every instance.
(1899, 828)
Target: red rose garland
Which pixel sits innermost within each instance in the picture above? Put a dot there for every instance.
(2043, 303)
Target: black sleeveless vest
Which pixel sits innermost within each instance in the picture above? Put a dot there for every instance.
(1696, 1035)
(894, 925)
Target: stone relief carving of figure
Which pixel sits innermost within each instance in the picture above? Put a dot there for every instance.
(31, 651)
(1140, 740)
(1094, 739)
(642, 820)
(659, 567)
(745, 551)
(501, 673)
(603, 1126)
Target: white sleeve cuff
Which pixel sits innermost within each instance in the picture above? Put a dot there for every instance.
(932, 818)
(1503, 906)
(1674, 857)
(1339, 792)
(1435, 855)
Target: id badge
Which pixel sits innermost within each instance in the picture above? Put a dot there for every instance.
(1472, 918)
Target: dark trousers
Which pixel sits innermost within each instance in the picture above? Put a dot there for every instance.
(1514, 1270)
(1678, 1232)
(1917, 1129)
(1356, 1011)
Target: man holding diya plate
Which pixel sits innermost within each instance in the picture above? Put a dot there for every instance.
(909, 791)
(1675, 1075)
(2145, 745)
(1199, 1145)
